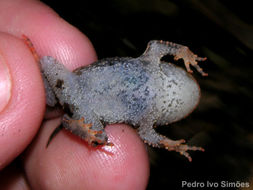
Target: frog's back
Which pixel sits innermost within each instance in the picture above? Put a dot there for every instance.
(117, 89)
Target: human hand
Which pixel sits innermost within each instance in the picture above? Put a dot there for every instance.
(68, 163)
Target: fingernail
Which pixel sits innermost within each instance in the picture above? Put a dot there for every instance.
(5, 84)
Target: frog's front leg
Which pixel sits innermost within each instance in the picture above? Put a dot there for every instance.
(151, 137)
(157, 49)
(92, 132)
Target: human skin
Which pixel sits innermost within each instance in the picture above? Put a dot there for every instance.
(68, 163)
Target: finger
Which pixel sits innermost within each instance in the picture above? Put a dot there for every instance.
(50, 34)
(12, 177)
(69, 163)
(23, 109)
(53, 36)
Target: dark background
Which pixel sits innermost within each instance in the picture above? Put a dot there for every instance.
(222, 31)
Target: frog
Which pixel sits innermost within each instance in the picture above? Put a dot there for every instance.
(143, 92)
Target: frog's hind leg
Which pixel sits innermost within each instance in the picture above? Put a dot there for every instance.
(86, 131)
(151, 137)
(157, 49)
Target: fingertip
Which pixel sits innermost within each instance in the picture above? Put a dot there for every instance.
(130, 166)
(18, 120)
(62, 41)
(50, 34)
(70, 163)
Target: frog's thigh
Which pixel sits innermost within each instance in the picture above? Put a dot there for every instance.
(94, 135)
(149, 135)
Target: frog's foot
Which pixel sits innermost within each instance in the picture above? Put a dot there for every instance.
(158, 49)
(190, 59)
(178, 146)
(150, 136)
(85, 131)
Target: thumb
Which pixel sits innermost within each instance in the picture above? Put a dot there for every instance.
(22, 99)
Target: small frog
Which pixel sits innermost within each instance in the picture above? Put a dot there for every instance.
(143, 92)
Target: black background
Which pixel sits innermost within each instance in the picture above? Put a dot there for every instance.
(222, 31)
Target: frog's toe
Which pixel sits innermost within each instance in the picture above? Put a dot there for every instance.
(98, 138)
(183, 148)
(170, 144)
(178, 146)
(190, 59)
(201, 58)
